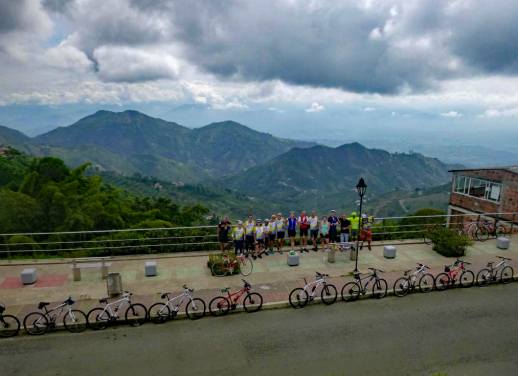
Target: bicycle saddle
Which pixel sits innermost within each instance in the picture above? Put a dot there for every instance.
(407, 271)
(446, 268)
(322, 274)
(226, 289)
(490, 263)
(165, 295)
(103, 301)
(43, 304)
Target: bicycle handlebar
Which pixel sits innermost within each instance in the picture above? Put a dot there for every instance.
(376, 270)
(504, 258)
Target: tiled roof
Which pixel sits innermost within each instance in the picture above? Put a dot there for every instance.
(513, 169)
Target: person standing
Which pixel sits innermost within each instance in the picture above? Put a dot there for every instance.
(333, 226)
(324, 231)
(355, 225)
(304, 229)
(280, 225)
(259, 239)
(313, 229)
(345, 228)
(238, 235)
(249, 235)
(366, 231)
(224, 228)
(272, 226)
(292, 229)
(266, 232)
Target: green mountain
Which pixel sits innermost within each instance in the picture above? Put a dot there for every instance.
(165, 149)
(325, 177)
(12, 137)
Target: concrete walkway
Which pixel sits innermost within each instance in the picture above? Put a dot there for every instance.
(271, 275)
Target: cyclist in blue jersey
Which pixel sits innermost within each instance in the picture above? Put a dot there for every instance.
(292, 229)
(333, 224)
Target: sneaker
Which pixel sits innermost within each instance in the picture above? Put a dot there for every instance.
(370, 249)
(260, 256)
(315, 249)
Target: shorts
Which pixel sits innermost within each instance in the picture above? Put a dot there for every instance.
(304, 232)
(260, 241)
(324, 236)
(223, 238)
(292, 233)
(238, 245)
(272, 237)
(314, 234)
(280, 235)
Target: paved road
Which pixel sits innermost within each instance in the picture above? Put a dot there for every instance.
(460, 332)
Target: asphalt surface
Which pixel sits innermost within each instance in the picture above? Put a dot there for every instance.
(460, 332)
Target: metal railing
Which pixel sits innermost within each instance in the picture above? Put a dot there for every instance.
(203, 238)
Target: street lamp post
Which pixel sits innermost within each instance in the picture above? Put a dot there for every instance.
(361, 187)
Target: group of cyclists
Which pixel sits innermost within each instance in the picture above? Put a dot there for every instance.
(258, 237)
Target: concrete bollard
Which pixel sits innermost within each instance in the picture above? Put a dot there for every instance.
(503, 242)
(389, 251)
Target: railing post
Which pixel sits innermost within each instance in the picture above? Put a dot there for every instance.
(512, 223)
(7, 247)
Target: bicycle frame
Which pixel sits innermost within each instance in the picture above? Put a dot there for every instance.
(359, 280)
(55, 312)
(315, 284)
(181, 297)
(118, 305)
(234, 297)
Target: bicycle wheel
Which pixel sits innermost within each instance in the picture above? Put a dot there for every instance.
(484, 277)
(507, 274)
(218, 270)
(253, 302)
(467, 278)
(246, 266)
(426, 283)
(136, 314)
(401, 286)
(379, 289)
(219, 306)
(328, 294)
(350, 292)
(482, 234)
(159, 313)
(442, 281)
(195, 309)
(35, 323)
(298, 298)
(98, 319)
(75, 321)
(9, 326)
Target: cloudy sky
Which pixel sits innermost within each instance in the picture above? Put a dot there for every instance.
(394, 71)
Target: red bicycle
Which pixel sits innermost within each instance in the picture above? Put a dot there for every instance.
(252, 301)
(449, 277)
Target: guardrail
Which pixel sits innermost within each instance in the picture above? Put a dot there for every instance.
(99, 243)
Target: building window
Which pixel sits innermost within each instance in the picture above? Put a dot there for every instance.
(479, 188)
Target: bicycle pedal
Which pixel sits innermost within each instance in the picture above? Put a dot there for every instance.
(233, 306)
(174, 313)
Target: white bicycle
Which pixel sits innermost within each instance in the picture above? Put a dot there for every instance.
(418, 279)
(160, 312)
(101, 317)
(500, 272)
(300, 296)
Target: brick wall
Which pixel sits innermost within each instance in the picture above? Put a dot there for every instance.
(509, 195)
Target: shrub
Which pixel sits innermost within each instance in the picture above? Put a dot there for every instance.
(448, 242)
(218, 260)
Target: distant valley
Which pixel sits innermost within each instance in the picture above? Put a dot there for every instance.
(229, 167)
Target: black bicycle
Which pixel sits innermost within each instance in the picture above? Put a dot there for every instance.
(37, 323)
(352, 290)
(9, 324)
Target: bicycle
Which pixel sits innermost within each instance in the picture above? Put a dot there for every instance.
(194, 309)
(9, 324)
(492, 272)
(351, 291)
(38, 323)
(448, 278)
(487, 229)
(99, 318)
(419, 278)
(228, 266)
(221, 305)
(300, 297)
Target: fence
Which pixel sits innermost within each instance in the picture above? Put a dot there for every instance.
(202, 238)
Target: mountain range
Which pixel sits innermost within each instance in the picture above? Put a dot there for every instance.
(222, 158)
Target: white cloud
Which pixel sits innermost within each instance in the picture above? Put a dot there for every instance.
(495, 113)
(315, 107)
(369, 109)
(452, 114)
